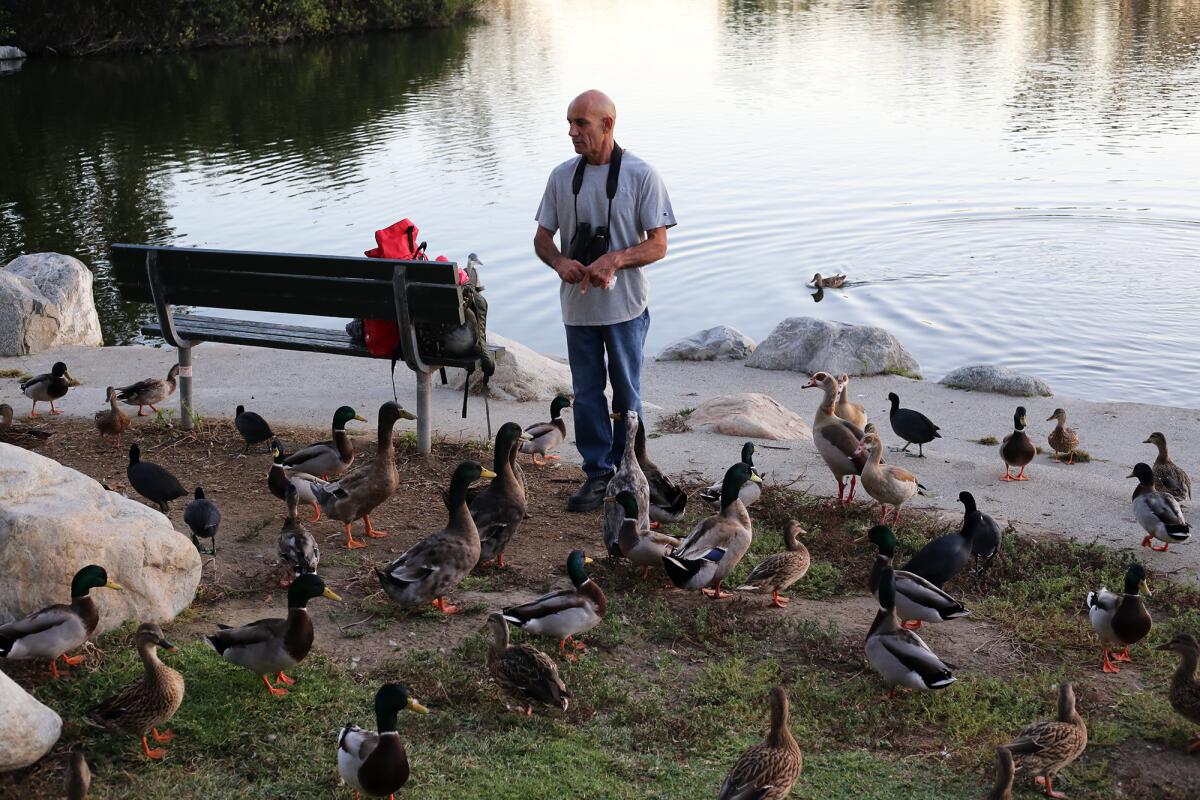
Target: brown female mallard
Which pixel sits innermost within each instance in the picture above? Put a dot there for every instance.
(525, 673)
(768, 770)
(831, 282)
(1120, 619)
(356, 495)
(1062, 439)
(1046, 747)
(499, 509)
(1185, 686)
(781, 570)
(78, 778)
(112, 422)
(148, 702)
(149, 391)
(1169, 477)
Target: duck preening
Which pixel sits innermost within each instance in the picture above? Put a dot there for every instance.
(911, 426)
(1158, 513)
(1120, 619)
(1017, 449)
(717, 543)
(769, 769)
(374, 762)
(141, 706)
(524, 673)
(47, 387)
(149, 391)
(1044, 748)
(54, 630)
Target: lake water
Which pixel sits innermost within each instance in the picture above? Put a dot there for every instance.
(1004, 181)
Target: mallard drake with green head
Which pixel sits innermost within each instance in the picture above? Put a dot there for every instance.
(899, 655)
(547, 436)
(112, 422)
(524, 673)
(1185, 686)
(270, 646)
(330, 458)
(1169, 477)
(1158, 513)
(916, 599)
(564, 614)
(667, 501)
(499, 509)
(374, 762)
(1017, 449)
(779, 571)
(430, 569)
(645, 548)
(141, 706)
(47, 387)
(54, 630)
(627, 478)
(356, 495)
(152, 481)
(768, 770)
(1120, 619)
(149, 391)
(297, 547)
(751, 490)
(280, 476)
(717, 543)
(1046, 747)
(252, 427)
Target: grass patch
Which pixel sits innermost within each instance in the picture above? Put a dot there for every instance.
(986, 440)
(676, 422)
(19, 374)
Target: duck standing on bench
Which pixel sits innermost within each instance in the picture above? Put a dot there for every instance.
(361, 492)
(148, 392)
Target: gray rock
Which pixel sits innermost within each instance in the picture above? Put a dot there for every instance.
(808, 345)
(54, 520)
(998, 380)
(10, 53)
(721, 343)
(521, 374)
(46, 301)
(28, 729)
(757, 416)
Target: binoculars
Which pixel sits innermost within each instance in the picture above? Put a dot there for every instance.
(588, 245)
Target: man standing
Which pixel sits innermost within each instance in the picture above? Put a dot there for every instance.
(611, 212)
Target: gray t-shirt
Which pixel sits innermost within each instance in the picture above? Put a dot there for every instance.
(641, 204)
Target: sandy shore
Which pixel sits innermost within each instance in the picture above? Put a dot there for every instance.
(1089, 502)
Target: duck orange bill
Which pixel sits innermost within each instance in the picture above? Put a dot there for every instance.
(487, 473)
(413, 705)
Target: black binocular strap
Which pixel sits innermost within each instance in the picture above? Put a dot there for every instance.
(610, 186)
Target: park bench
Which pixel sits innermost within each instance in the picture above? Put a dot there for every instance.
(408, 292)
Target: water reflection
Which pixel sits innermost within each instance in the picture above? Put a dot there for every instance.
(983, 170)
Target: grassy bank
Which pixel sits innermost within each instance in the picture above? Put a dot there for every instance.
(672, 688)
(83, 27)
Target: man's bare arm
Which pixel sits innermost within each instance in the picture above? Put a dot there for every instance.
(653, 248)
(568, 269)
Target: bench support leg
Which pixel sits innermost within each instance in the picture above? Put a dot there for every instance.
(424, 412)
(185, 388)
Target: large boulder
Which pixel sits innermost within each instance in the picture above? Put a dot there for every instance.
(521, 374)
(28, 729)
(998, 380)
(46, 301)
(757, 416)
(721, 343)
(808, 345)
(55, 520)
(10, 53)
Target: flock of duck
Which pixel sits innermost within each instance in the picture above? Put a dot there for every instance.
(640, 498)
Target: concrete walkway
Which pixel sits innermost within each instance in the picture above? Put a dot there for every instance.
(1086, 501)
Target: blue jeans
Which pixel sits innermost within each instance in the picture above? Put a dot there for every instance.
(599, 442)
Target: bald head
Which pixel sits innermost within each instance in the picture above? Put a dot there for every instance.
(592, 117)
